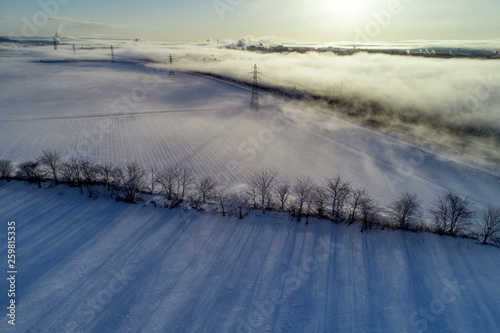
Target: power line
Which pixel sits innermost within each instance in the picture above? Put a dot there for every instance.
(254, 102)
(171, 70)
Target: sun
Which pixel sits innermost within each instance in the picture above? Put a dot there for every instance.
(346, 7)
(349, 5)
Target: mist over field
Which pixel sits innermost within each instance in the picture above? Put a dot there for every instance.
(445, 104)
(250, 166)
(451, 90)
(203, 267)
(454, 90)
(451, 103)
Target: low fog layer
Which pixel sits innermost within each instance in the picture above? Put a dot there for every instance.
(458, 96)
(458, 89)
(451, 90)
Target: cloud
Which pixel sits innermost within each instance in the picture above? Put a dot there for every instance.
(251, 40)
(84, 22)
(451, 91)
(74, 22)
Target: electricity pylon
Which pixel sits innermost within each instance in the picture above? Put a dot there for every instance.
(171, 70)
(112, 54)
(254, 102)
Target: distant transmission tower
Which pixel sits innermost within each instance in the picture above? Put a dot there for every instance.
(74, 49)
(112, 54)
(254, 102)
(55, 43)
(171, 70)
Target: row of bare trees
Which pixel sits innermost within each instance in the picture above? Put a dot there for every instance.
(338, 201)
(335, 199)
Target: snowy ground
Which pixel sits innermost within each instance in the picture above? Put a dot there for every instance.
(97, 265)
(101, 266)
(122, 112)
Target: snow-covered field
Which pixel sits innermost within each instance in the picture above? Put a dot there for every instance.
(98, 265)
(101, 266)
(123, 112)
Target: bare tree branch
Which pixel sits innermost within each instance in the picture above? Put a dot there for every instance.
(405, 210)
(282, 191)
(452, 213)
(302, 189)
(6, 169)
(357, 197)
(170, 179)
(338, 191)
(490, 222)
(33, 172)
(206, 187)
(261, 184)
(52, 161)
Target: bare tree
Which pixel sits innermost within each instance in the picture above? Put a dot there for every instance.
(369, 212)
(241, 203)
(262, 184)
(357, 197)
(26, 171)
(490, 222)
(106, 171)
(251, 191)
(153, 174)
(452, 213)
(309, 204)
(282, 191)
(206, 187)
(405, 210)
(75, 166)
(338, 192)
(319, 198)
(6, 169)
(187, 178)
(90, 173)
(52, 161)
(68, 173)
(135, 181)
(118, 177)
(169, 179)
(33, 172)
(222, 198)
(302, 189)
(194, 199)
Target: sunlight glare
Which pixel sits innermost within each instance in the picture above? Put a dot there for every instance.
(346, 7)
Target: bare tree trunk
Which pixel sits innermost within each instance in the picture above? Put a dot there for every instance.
(52, 161)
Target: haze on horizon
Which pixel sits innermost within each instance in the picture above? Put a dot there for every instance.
(316, 20)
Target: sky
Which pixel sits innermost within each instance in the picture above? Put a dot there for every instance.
(302, 20)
